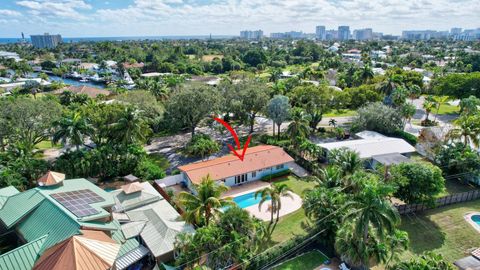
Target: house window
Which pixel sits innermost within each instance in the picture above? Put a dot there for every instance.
(279, 167)
(254, 174)
(237, 179)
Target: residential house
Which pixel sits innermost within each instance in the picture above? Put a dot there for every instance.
(374, 148)
(38, 220)
(146, 216)
(259, 161)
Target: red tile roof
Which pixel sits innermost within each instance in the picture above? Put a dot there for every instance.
(256, 158)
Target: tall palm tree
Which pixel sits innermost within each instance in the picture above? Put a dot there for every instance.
(468, 130)
(366, 74)
(371, 210)
(73, 128)
(273, 193)
(201, 208)
(130, 127)
(298, 127)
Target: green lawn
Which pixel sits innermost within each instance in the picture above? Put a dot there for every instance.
(47, 145)
(295, 223)
(448, 109)
(160, 160)
(307, 261)
(442, 230)
(340, 113)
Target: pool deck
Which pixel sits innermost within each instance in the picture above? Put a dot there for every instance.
(468, 218)
(245, 188)
(289, 204)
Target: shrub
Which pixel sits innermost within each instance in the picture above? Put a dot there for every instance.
(201, 145)
(148, 170)
(411, 139)
(458, 159)
(377, 117)
(276, 175)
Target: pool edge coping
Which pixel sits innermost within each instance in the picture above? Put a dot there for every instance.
(468, 218)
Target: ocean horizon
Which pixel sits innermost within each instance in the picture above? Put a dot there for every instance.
(125, 38)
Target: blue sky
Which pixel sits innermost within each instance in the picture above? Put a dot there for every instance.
(77, 18)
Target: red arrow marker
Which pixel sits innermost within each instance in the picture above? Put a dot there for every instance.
(235, 137)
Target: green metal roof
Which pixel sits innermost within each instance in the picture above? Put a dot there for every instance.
(48, 220)
(79, 184)
(127, 245)
(19, 205)
(7, 192)
(103, 226)
(24, 257)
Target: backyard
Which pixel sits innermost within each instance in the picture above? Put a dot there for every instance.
(294, 223)
(307, 261)
(443, 230)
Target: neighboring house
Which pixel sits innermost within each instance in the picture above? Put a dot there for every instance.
(259, 161)
(83, 89)
(145, 215)
(39, 219)
(374, 148)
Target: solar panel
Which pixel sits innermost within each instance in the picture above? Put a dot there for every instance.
(78, 201)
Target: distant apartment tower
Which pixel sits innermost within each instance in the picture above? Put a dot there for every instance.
(456, 31)
(320, 32)
(45, 41)
(343, 33)
(331, 35)
(247, 34)
(363, 34)
(277, 35)
(424, 34)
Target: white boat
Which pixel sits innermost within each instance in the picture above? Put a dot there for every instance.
(84, 79)
(96, 78)
(76, 75)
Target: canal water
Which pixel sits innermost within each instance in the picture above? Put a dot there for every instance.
(72, 81)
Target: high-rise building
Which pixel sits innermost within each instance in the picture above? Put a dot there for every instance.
(331, 35)
(247, 34)
(455, 31)
(320, 32)
(343, 33)
(46, 41)
(363, 34)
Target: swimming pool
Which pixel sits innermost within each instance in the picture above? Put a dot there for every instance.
(476, 219)
(246, 200)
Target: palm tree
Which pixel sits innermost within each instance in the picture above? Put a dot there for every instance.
(388, 85)
(366, 74)
(347, 160)
(130, 127)
(371, 210)
(275, 75)
(332, 123)
(72, 127)
(298, 127)
(468, 130)
(428, 104)
(201, 208)
(273, 193)
(439, 101)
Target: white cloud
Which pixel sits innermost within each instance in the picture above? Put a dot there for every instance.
(8, 12)
(182, 17)
(64, 9)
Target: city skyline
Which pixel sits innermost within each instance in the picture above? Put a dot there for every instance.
(88, 18)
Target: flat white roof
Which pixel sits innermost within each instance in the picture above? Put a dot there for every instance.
(367, 148)
(368, 134)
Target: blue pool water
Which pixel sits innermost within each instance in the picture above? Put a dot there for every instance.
(476, 219)
(247, 200)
